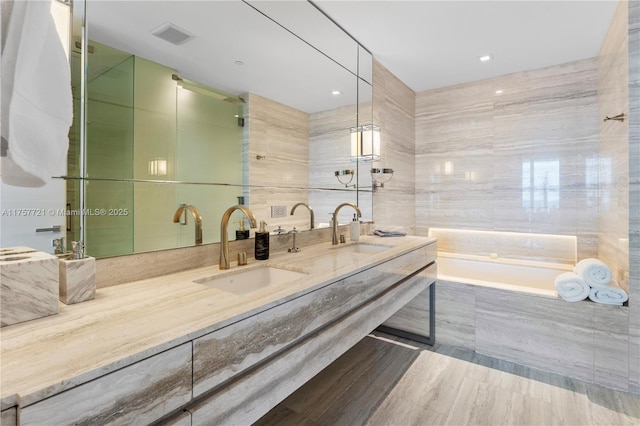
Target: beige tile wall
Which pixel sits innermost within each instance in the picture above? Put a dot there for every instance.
(518, 161)
(329, 150)
(470, 148)
(279, 134)
(394, 112)
(613, 149)
(634, 195)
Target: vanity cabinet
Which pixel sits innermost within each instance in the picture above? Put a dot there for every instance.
(279, 350)
(139, 393)
(230, 372)
(225, 353)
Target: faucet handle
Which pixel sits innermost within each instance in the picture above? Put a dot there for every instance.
(280, 230)
(293, 248)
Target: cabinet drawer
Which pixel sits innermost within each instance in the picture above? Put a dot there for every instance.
(220, 355)
(137, 394)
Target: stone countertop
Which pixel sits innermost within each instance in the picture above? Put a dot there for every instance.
(130, 322)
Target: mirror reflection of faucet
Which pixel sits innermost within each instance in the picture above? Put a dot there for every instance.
(196, 215)
(311, 214)
(241, 233)
(334, 238)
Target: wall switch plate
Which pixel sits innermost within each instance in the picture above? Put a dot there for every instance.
(278, 211)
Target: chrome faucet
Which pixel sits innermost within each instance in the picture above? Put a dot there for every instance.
(334, 239)
(196, 215)
(224, 232)
(311, 215)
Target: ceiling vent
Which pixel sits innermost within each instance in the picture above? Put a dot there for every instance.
(172, 33)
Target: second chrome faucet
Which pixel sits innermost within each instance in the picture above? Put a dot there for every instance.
(311, 215)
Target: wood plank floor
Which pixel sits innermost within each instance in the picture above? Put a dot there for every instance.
(385, 380)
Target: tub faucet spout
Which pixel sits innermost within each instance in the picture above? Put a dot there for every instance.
(334, 239)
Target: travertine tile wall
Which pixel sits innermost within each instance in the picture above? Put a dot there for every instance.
(507, 245)
(470, 141)
(634, 194)
(394, 111)
(278, 134)
(524, 160)
(619, 209)
(613, 149)
(330, 150)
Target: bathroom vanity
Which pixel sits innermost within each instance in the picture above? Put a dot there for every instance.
(208, 346)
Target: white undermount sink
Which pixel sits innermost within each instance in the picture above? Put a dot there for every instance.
(249, 280)
(362, 248)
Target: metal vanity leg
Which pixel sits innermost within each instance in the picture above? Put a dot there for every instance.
(428, 340)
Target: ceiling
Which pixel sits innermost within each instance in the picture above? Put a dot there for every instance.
(235, 49)
(427, 44)
(430, 44)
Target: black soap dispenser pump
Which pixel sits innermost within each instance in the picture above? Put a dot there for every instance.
(262, 242)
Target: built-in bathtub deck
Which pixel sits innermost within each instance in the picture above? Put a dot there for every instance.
(525, 324)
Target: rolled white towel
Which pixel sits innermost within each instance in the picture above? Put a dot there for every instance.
(594, 272)
(571, 287)
(609, 295)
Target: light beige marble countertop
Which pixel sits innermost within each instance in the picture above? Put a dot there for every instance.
(130, 322)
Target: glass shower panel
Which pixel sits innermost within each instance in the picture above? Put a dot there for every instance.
(108, 218)
(209, 148)
(154, 156)
(209, 137)
(109, 151)
(211, 201)
(110, 119)
(155, 121)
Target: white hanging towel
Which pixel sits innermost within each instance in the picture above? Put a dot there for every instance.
(594, 272)
(571, 287)
(609, 295)
(37, 107)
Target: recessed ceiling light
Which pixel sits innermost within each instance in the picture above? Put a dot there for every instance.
(485, 58)
(499, 92)
(336, 92)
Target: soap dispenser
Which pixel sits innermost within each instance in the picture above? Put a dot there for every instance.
(242, 233)
(262, 242)
(355, 228)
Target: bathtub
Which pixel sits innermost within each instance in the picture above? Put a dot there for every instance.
(506, 274)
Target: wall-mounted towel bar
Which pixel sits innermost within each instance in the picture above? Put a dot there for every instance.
(619, 117)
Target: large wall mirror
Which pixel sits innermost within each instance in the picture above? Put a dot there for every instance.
(211, 103)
